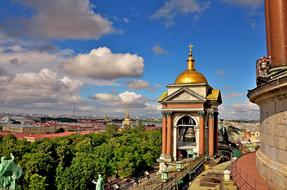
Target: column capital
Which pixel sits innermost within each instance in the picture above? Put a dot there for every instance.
(201, 113)
(163, 112)
(210, 113)
(168, 113)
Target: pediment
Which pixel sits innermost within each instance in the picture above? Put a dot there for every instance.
(184, 95)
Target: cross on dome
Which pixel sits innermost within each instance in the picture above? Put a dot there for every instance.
(190, 48)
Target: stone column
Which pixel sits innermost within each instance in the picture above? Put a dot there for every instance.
(169, 136)
(163, 141)
(276, 18)
(197, 140)
(201, 133)
(174, 143)
(211, 134)
(215, 133)
(267, 24)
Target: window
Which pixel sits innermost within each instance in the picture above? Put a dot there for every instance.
(186, 131)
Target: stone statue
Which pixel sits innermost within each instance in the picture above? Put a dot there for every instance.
(100, 183)
(263, 65)
(9, 173)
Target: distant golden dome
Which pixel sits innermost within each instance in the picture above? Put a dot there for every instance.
(190, 75)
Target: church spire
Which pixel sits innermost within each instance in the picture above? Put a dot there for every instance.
(190, 60)
(127, 114)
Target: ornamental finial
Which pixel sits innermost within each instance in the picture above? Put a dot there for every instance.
(190, 60)
(190, 49)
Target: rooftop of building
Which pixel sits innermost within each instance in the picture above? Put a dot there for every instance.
(245, 175)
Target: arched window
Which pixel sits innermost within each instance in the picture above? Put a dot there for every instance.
(186, 131)
(186, 121)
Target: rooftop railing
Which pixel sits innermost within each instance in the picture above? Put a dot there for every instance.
(176, 178)
(243, 180)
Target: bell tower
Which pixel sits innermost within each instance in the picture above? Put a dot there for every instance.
(189, 116)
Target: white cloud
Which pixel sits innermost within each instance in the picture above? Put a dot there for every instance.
(158, 50)
(220, 72)
(32, 80)
(29, 59)
(153, 106)
(138, 84)
(60, 19)
(253, 24)
(126, 20)
(244, 3)
(155, 87)
(240, 111)
(26, 56)
(28, 80)
(253, 7)
(102, 82)
(21, 56)
(131, 98)
(126, 98)
(232, 95)
(101, 63)
(120, 20)
(87, 108)
(142, 84)
(137, 103)
(42, 88)
(173, 8)
(106, 97)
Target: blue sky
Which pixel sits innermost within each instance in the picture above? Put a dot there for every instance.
(54, 54)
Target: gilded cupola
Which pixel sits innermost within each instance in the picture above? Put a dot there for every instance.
(190, 76)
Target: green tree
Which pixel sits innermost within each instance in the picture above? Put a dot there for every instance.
(84, 146)
(125, 166)
(111, 129)
(65, 152)
(38, 163)
(47, 146)
(84, 169)
(38, 182)
(22, 147)
(72, 162)
(9, 142)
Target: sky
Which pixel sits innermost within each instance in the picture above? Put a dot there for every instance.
(104, 57)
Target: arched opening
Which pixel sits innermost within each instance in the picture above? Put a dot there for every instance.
(186, 128)
(187, 137)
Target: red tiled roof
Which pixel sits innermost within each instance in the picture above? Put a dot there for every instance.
(42, 136)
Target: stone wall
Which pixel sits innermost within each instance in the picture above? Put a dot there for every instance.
(271, 158)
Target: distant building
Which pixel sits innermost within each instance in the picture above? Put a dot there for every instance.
(127, 122)
(37, 137)
(29, 129)
(189, 116)
(5, 120)
(107, 119)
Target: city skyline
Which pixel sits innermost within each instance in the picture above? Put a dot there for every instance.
(109, 56)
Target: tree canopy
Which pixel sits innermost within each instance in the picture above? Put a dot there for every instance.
(73, 162)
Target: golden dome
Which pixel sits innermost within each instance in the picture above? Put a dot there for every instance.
(190, 75)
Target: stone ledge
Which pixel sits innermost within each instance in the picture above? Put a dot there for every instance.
(269, 90)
